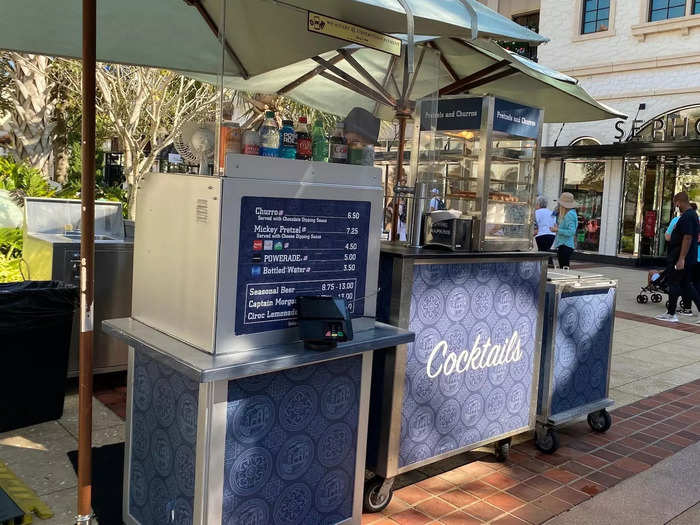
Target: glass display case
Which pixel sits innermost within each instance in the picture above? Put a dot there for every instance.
(478, 157)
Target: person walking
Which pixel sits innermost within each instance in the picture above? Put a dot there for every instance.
(683, 257)
(686, 305)
(566, 229)
(544, 220)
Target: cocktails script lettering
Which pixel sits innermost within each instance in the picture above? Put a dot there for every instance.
(485, 355)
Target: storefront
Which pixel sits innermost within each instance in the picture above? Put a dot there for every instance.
(625, 189)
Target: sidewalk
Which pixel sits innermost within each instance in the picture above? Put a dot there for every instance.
(651, 364)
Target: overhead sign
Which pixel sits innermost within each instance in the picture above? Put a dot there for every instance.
(335, 28)
(452, 114)
(516, 119)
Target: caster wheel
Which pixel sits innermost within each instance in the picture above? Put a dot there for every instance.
(640, 299)
(646, 299)
(656, 298)
(547, 443)
(502, 450)
(373, 499)
(600, 421)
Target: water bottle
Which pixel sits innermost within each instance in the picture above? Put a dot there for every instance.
(269, 136)
(319, 142)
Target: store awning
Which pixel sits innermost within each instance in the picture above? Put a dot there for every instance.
(260, 35)
(683, 148)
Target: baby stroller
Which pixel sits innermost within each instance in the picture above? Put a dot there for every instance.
(657, 285)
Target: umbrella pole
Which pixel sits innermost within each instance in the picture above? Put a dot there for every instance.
(399, 168)
(87, 251)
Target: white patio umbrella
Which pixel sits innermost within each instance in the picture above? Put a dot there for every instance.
(259, 35)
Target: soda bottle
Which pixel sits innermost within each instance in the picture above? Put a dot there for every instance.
(251, 142)
(288, 140)
(338, 145)
(269, 136)
(319, 142)
(303, 140)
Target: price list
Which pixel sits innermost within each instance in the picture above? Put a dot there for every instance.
(291, 247)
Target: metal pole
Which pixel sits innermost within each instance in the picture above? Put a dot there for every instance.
(87, 252)
(399, 168)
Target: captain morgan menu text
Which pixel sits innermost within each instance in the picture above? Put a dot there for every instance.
(291, 247)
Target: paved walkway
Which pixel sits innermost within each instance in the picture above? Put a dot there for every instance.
(647, 360)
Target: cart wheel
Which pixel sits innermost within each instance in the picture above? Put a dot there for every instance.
(547, 442)
(640, 298)
(656, 298)
(502, 450)
(373, 500)
(600, 421)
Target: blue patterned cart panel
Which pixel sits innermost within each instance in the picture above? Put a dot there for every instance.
(582, 348)
(291, 440)
(463, 310)
(163, 438)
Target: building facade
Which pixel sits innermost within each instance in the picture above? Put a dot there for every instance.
(641, 57)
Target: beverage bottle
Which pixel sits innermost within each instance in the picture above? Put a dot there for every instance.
(303, 140)
(319, 142)
(269, 136)
(288, 140)
(251, 142)
(338, 145)
(235, 139)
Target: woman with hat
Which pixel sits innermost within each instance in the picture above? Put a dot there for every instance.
(566, 229)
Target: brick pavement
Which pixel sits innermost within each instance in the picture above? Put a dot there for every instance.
(532, 487)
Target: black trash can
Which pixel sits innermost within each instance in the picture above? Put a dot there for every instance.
(36, 319)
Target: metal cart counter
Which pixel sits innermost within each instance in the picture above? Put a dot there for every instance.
(272, 435)
(470, 378)
(576, 350)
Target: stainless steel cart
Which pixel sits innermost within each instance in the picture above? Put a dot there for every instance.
(52, 252)
(575, 359)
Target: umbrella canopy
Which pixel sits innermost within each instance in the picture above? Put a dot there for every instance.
(329, 82)
(260, 35)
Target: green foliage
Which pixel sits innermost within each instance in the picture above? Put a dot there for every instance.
(10, 255)
(22, 181)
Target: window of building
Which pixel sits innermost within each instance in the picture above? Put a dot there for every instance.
(596, 16)
(665, 9)
(532, 22)
(585, 179)
(696, 7)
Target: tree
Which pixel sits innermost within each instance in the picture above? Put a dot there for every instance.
(147, 109)
(31, 107)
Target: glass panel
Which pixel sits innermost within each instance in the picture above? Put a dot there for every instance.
(603, 4)
(629, 206)
(591, 4)
(696, 7)
(585, 179)
(602, 25)
(659, 4)
(590, 16)
(603, 15)
(676, 12)
(510, 183)
(649, 206)
(676, 3)
(589, 27)
(658, 15)
(667, 210)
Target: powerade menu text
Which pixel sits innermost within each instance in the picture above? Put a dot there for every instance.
(292, 247)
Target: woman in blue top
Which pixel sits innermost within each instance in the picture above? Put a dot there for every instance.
(566, 229)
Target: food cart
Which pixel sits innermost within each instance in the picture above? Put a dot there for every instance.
(579, 323)
(470, 377)
(230, 417)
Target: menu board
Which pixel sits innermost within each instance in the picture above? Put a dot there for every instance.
(291, 247)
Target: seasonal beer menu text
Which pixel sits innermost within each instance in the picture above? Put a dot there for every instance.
(291, 247)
